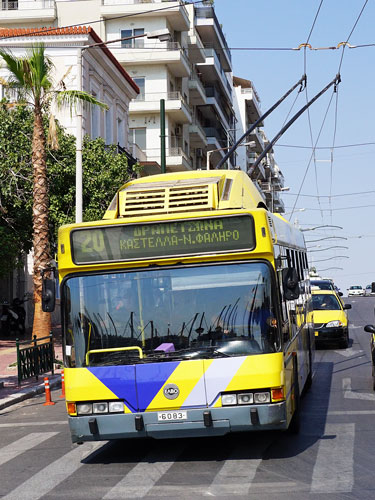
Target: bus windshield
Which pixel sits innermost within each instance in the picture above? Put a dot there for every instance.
(168, 314)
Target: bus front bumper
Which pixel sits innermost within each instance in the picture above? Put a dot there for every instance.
(199, 422)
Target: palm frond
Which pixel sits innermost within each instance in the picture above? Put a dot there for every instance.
(71, 98)
(14, 65)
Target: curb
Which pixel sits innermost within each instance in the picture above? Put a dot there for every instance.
(29, 392)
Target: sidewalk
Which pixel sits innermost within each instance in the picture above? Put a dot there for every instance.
(10, 393)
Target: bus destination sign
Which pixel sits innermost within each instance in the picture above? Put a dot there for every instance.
(162, 239)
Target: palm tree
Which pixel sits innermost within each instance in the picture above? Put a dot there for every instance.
(32, 77)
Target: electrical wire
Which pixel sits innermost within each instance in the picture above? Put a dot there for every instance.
(326, 147)
(344, 45)
(332, 196)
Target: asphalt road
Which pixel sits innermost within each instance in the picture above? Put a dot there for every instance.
(332, 457)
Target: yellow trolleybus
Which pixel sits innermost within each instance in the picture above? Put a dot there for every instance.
(185, 312)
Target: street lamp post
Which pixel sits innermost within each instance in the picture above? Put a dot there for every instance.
(328, 238)
(318, 227)
(332, 258)
(328, 248)
(251, 144)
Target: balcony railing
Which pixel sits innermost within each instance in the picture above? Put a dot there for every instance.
(156, 96)
(212, 132)
(211, 52)
(20, 5)
(209, 13)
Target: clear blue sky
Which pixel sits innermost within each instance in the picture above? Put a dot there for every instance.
(287, 24)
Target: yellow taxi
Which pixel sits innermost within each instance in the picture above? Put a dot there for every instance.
(331, 322)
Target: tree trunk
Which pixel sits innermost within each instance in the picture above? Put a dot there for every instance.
(42, 258)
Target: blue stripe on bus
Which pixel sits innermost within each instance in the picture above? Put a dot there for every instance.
(120, 380)
(150, 379)
(136, 385)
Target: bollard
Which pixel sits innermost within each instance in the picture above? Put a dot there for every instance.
(62, 385)
(49, 401)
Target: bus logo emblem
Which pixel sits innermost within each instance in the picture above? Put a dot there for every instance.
(171, 391)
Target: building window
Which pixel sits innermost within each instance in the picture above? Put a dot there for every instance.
(109, 126)
(141, 84)
(138, 136)
(95, 119)
(121, 132)
(137, 43)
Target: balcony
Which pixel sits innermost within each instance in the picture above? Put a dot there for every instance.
(215, 99)
(252, 104)
(256, 136)
(198, 137)
(195, 47)
(209, 29)
(176, 13)
(176, 159)
(175, 105)
(212, 71)
(196, 91)
(148, 52)
(25, 11)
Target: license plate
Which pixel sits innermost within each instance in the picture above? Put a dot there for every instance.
(170, 416)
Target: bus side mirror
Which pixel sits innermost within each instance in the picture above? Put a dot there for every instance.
(347, 306)
(369, 328)
(290, 283)
(48, 291)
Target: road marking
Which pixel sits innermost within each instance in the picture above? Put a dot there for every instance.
(35, 424)
(140, 480)
(333, 470)
(349, 352)
(235, 476)
(24, 444)
(349, 394)
(51, 476)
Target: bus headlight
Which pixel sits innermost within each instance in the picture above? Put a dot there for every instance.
(84, 409)
(100, 407)
(228, 399)
(245, 398)
(262, 397)
(333, 324)
(116, 407)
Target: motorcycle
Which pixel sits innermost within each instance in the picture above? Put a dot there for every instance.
(13, 317)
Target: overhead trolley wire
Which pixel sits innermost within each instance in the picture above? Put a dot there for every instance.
(343, 45)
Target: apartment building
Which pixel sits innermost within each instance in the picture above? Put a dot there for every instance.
(191, 71)
(266, 175)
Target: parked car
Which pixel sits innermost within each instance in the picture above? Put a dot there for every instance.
(331, 322)
(368, 291)
(356, 290)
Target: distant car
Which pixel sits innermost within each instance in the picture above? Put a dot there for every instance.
(330, 318)
(368, 291)
(356, 290)
(321, 284)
